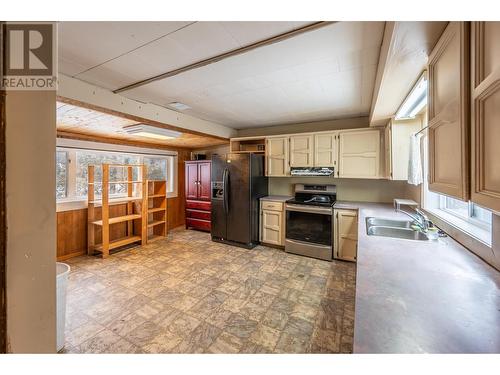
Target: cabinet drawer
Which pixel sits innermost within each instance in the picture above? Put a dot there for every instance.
(198, 205)
(198, 224)
(197, 214)
(272, 206)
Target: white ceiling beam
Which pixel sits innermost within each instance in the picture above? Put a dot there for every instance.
(403, 57)
(79, 91)
(382, 68)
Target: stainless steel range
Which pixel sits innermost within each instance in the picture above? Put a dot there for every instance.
(309, 224)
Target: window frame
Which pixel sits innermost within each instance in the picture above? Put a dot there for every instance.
(66, 182)
(433, 202)
(71, 175)
(470, 212)
(75, 167)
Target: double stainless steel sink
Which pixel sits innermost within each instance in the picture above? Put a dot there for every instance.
(393, 228)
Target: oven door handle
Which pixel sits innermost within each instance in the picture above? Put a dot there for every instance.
(316, 210)
(310, 244)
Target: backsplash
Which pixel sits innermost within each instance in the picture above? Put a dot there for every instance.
(362, 190)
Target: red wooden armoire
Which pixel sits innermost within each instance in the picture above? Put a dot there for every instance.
(198, 204)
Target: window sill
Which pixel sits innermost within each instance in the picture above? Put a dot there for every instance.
(71, 205)
(464, 226)
(79, 204)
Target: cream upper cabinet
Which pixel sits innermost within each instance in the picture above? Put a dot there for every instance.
(388, 150)
(346, 234)
(397, 146)
(359, 154)
(277, 164)
(485, 182)
(301, 151)
(449, 74)
(325, 149)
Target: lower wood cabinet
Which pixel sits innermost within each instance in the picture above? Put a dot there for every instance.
(272, 223)
(346, 234)
(198, 215)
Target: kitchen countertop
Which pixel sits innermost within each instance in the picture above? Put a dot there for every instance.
(421, 296)
(276, 198)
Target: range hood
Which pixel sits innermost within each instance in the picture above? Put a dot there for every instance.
(313, 171)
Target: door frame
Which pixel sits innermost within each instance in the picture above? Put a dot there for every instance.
(3, 225)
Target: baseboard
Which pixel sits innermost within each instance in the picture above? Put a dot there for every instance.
(69, 256)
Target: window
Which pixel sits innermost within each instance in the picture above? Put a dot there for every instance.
(61, 174)
(466, 210)
(157, 168)
(467, 216)
(86, 158)
(72, 171)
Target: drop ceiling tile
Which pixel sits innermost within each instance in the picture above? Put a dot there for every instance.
(205, 39)
(106, 77)
(326, 73)
(246, 33)
(196, 42)
(156, 58)
(83, 45)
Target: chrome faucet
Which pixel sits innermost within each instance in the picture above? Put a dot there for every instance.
(419, 218)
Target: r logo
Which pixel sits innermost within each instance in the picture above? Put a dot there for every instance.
(29, 49)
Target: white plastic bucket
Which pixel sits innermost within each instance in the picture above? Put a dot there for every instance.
(61, 287)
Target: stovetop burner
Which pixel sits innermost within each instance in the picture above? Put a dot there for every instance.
(314, 195)
(308, 202)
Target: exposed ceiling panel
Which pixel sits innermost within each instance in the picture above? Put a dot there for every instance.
(83, 45)
(245, 33)
(169, 48)
(322, 74)
(89, 122)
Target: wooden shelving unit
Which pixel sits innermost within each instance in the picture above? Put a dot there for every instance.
(136, 209)
(156, 196)
(248, 145)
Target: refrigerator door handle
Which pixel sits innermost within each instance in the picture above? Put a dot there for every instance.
(225, 180)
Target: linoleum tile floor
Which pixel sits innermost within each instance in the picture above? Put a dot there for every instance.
(187, 294)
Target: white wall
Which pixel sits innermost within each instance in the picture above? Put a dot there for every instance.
(31, 222)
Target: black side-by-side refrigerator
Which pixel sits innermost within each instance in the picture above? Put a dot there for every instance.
(238, 182)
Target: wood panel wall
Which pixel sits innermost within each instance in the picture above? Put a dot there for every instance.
(72, 225)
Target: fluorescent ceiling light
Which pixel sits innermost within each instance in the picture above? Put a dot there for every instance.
(154, 132)
(415, 101)
(179, 106)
